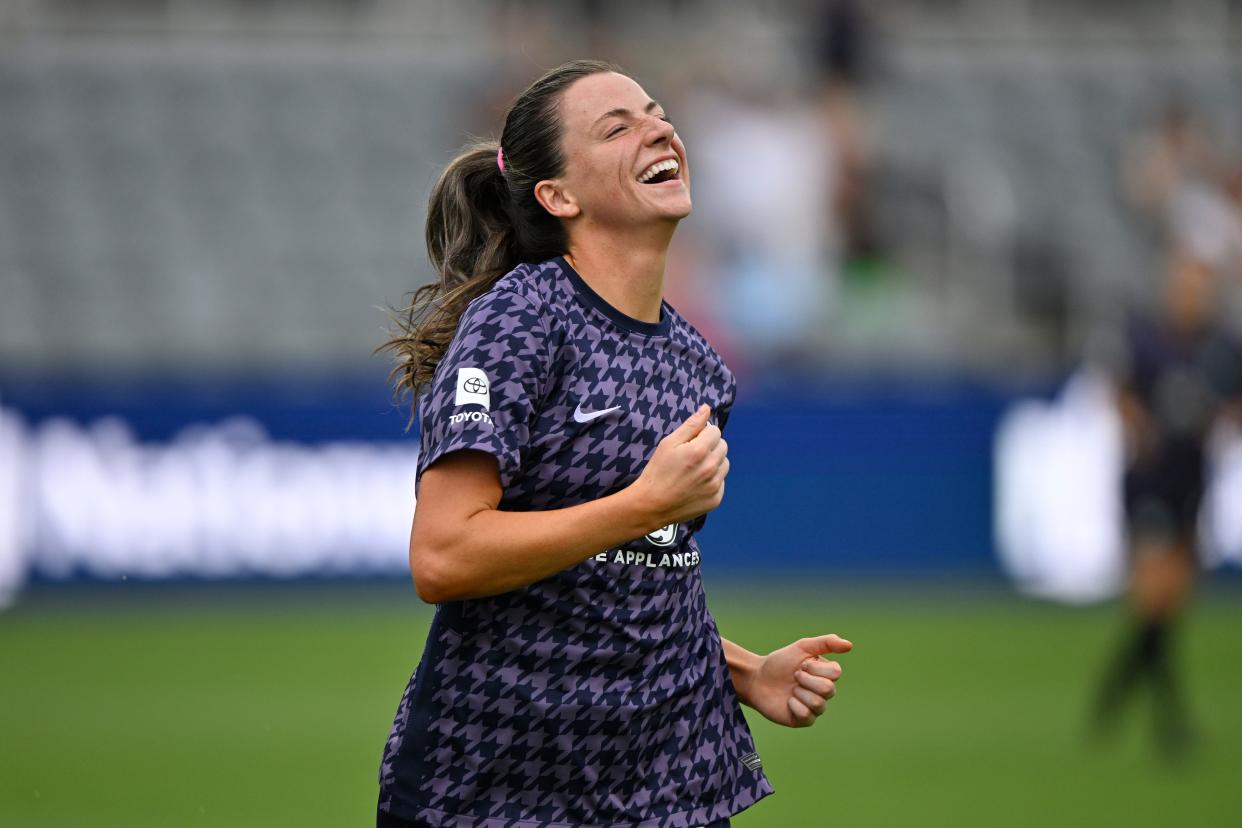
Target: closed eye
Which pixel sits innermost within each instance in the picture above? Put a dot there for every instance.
(615, 131)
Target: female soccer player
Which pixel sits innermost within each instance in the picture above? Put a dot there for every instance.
(1182, 380)
(570, 450)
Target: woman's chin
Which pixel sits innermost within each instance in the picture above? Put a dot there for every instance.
(676, 209)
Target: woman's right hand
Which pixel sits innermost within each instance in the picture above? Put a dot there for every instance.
(685, 476)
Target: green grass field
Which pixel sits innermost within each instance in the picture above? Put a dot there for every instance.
(268, 706)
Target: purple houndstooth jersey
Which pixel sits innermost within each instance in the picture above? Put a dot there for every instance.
(598, 696)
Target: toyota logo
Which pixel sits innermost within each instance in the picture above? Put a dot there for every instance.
(474, 385)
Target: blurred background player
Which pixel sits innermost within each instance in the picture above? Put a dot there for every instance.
(1184, 374)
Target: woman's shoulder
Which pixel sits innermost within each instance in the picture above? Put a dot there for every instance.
(518, 309)
(527, 286)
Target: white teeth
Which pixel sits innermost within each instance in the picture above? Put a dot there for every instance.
(657, 168)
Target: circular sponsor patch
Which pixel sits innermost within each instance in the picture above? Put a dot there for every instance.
(664, 536)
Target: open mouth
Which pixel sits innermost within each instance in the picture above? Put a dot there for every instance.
(661, 172)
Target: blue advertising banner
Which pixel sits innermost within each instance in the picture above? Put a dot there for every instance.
(150, 479)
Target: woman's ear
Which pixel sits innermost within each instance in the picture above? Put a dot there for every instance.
(556, 200)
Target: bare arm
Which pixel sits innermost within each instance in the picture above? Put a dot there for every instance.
(743, 665)
(463, 546)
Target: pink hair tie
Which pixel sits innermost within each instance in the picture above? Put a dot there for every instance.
(500, 158)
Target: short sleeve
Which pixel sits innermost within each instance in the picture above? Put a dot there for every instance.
(487, 387)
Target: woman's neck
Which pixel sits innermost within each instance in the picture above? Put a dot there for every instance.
(627, 273)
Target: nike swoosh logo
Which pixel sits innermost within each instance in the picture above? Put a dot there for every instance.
(581, 416)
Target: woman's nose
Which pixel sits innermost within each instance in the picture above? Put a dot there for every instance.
(659, 130)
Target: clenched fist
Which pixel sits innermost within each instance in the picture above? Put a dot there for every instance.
(686, 474)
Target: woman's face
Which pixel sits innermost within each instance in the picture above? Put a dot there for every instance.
(613, 135)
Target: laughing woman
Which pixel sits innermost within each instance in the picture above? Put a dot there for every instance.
(570, 450)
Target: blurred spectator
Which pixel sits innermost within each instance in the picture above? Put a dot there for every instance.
(1174, 153)
(764, 171)
(1175, 177)
(843, 41)
(842, 54)
(1232, 263)
(1183, 374)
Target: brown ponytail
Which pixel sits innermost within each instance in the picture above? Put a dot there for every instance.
(482, 223)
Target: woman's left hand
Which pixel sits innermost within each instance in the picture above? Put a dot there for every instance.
(791, 686)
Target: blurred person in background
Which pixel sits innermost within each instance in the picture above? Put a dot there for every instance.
(571, 448)
(842, 58)
(1183, 374)
(783, 161)
(1179, 182)
(1232, 226)
(1168, 158)
(767, 169)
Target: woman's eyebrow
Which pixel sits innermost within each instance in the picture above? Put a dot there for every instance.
(622, 112)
